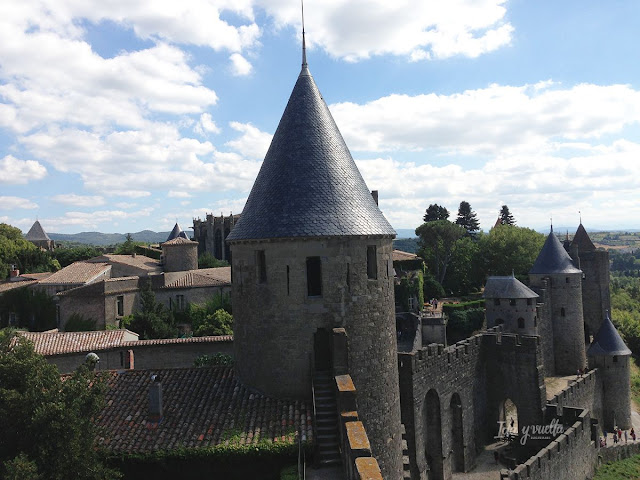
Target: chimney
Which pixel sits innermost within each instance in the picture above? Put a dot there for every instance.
(155, 397)
(14, 273)
(130, 360)
(133, 254)
(374, 194)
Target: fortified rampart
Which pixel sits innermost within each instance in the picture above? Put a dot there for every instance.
(460, 389)
(585, 392)
(570, 456)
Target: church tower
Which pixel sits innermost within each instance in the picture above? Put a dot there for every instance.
(555, 273)
(310, 253)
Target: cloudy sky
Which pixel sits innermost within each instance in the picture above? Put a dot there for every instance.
(120, 116)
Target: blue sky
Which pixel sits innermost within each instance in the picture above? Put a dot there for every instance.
(119, 117)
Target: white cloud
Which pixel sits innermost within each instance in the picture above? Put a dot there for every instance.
(94, 219)
(206, 125)
(15, 203)
(253, 143)
(489, 119)
(14, 171)
(178, 194)
(79, 200)
(240, 66)
(358, 29)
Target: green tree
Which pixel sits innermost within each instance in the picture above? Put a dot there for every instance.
(153, 320)
(68, 255)
(435, 212)
(47, 426)
(505, 216)
(437, 242)
(33, 307)
(15, 250)
(508, 248)
(206, 260)
(128, 247)
(219, 322)
(467, 218)
(464, 274)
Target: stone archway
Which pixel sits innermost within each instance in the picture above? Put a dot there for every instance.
(433, 436)
(457, 433)
(508, 416)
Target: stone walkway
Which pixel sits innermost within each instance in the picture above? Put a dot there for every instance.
(486, 468)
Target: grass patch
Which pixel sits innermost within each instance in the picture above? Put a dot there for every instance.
(624, 469)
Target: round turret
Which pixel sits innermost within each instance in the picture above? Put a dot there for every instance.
(510, 303)
(555, 271)
(180, 255)
(609, 354)
(312, 252)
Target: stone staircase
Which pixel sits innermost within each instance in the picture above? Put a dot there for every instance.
(328, 449)
(406, 469)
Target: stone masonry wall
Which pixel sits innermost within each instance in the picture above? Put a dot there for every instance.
(275, 322)
(571, 456)
(545, 327)
(584, 392)
(595, 288)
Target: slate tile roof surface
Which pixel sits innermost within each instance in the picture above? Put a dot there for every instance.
(77, 273)
(582, 240)
(553, 258)
(507, 287)
(182, 240)
(175, 233)
(36, 232)
(202, 407)
(608, 341)
(60, 343)
(308, 185)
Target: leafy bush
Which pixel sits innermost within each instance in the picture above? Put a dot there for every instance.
(463, 323)
(153, 320)
(206, 260)
(449, 308)
(289, 473)
(77, 323)
(219, 322)
(431, 287)
(212, 360)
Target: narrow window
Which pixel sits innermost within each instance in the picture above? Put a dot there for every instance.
(120, 305)
(170, 303)
(521, 322)
(562, 313)
(348, 277)
(287, 279)
(512, 302)
(180, 302)
(566, 280)
(535, 321)
(314, 277)
(372, 263)
(615, 359)
(528, 301)
(496, 302)
(262, 266)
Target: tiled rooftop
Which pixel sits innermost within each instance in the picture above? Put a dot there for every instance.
(59, 343)
(193, 279)
(139, 261)
(308, 185)
(507, 287)
(36, 233)
(219, 273)
(178, 241)
(77, 273)
(553, 258)
(173, 341)
(202, 407)
(399, 256)
(5, 286)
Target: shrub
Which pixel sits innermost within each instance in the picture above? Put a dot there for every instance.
(212, 360)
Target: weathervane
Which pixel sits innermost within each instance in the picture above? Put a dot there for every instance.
(304, 46)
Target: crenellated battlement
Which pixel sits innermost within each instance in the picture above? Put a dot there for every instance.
(570, 394)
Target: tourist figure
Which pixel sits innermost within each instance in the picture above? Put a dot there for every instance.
(615, 438)
(626, 437)
(633, 434)
(619, 434)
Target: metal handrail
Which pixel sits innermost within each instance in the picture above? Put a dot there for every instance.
(313, 399)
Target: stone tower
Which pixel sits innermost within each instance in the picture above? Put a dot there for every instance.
(511, 303)
(179, 255)
(555, 273)
(312, 252)
(596, 299)
(611, 357)
(39, 237)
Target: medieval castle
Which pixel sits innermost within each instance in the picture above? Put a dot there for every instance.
(313, 299)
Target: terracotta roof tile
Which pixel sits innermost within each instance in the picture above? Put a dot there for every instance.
(59, 343)
(399, 255)
(140, 261)
(172, 341)
(193, 279)
(178, 241)
(9, 285)
(77, 273)
(202, 407)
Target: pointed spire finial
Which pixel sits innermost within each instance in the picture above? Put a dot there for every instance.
(580, 213)
(513, 274)
(304, 46)
(551, 220)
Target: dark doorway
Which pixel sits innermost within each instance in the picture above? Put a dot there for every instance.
(322, 349)
(433, 440)
(457, 433)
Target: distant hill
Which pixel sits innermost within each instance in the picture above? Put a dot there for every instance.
(409, 245)
(405, 233)
(102, 239)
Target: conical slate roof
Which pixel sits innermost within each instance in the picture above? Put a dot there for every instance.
(176, 232)
(607, 341)
(553, 258)
(582, 240)
(309, 185)
(36, 233)
(507, 287)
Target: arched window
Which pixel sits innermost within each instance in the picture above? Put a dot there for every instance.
(562, 312)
